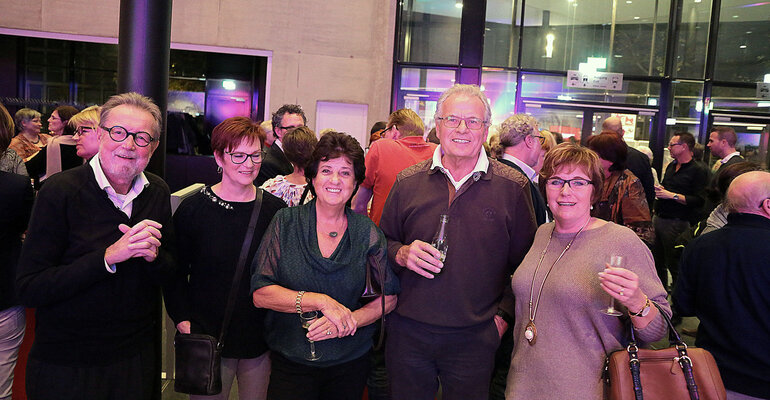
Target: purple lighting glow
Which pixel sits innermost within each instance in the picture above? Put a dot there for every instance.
(763, 3)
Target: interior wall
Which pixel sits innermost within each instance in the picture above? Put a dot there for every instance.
(331, 50)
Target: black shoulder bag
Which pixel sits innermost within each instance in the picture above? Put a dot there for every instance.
(198, 357)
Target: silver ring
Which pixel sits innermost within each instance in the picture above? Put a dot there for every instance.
(621, 291)
(328, 332)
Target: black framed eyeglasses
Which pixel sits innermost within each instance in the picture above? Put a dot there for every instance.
(670, 145)
(453, 122)
(84, 130)
(240, 158)
(541, 139)
(574, 183)
(118, 134)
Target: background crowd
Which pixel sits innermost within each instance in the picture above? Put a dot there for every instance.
(544, 233)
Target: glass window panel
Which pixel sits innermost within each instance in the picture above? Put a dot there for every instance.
(436, 80)
(555, 87)
(501, 36)
(742, 45)
(430, 31)
(561, 34)
(420, 89)
(569, 123)
(500, 88)
(738, 99)
(693, 40)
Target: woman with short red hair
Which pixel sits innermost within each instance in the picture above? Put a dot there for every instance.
(211, 227)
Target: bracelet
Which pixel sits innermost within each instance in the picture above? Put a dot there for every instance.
(644, 307)
(298, 301)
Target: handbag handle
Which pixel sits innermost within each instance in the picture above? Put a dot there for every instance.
(239, 267)
(683, 359)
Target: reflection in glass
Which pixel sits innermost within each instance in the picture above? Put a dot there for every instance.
(555, 87)
(501, 36)
(693, 40)
(430, 31)
(568, 123)
(559, 35)
(738, 99)
(500, 88)
(742, 45)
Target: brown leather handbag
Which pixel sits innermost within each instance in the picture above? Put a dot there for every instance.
(676, 372)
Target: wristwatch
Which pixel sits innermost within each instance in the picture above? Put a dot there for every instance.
(676, 196)
(644, 311)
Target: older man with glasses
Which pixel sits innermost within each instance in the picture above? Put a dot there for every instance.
(451, 314)
(93, 262)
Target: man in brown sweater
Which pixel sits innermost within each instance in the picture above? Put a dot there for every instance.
(447, 325)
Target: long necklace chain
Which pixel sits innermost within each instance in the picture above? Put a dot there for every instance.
(533, 311)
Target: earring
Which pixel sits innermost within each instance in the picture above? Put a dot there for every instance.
(592, 207)
(219, 169)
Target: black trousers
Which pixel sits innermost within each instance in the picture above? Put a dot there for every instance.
(421, 356)
(132, 378)
(291, 381)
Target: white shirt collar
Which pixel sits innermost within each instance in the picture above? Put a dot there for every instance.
(729, 156)
(482, 165)
(528, 171)
(278, 143)
(123, 202)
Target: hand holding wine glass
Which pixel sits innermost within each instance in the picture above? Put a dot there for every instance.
(621, 284)
(307, 318)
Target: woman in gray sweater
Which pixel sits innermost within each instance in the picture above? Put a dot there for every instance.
(560, 336)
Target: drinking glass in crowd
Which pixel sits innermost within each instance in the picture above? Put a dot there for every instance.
(211, 227)
(622, 198)
(560, 336)
(314, 258)
(298, 146)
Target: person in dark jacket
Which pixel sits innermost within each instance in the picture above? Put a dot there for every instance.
(288, 117)
(97, 251)
(723, 280)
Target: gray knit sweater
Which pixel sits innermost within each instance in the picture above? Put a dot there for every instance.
(573, 336)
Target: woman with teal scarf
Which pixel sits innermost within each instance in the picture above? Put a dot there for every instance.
(313, 258)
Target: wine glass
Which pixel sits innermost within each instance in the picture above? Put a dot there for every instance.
(615, 261)
(307, 319)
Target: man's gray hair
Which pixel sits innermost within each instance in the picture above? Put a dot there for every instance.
(517, 127)
(133, 99)
(468, 90)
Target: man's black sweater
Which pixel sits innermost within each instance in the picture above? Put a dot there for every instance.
(85, 314)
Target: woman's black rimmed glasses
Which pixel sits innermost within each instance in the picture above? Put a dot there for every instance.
(240, 158)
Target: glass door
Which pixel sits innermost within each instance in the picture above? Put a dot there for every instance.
(578, 121)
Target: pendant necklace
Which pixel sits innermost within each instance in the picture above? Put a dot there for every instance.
(530, 331)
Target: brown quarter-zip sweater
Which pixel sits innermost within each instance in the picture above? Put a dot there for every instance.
(491, 227)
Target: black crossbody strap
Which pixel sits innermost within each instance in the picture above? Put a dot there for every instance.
(239, 268)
